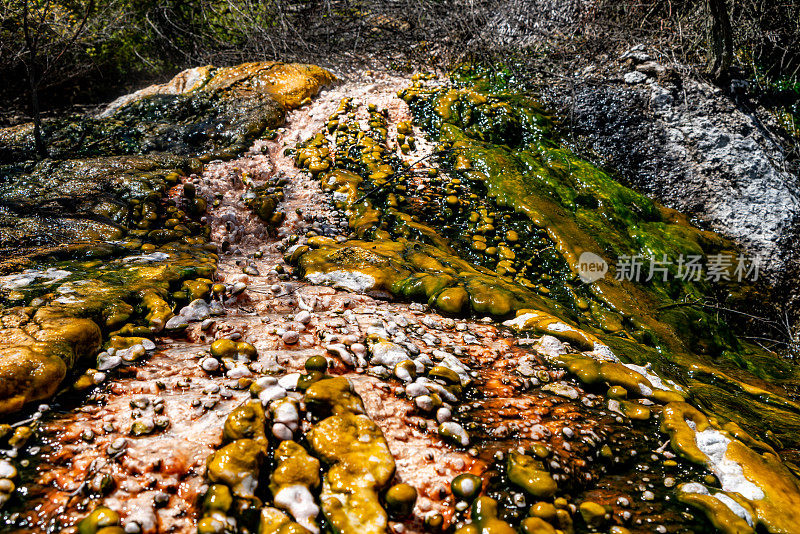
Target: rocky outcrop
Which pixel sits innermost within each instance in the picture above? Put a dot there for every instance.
(694, 148)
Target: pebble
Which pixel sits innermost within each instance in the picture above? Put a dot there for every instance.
(177, 322)
(416, 389)
(281, 431)
(160, 499)
(424, 403)
(290, 337)
(238, 287)
(270, 393)
(7, 469)
(206, 324)
(303, 317)
(289, 381)
(108, 363)
(443, 415)
(209, 364)
(196, 310)
(240, 371)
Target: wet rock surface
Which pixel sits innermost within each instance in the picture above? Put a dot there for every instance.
(706, 152)
(342, 365)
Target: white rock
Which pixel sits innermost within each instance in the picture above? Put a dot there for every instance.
(7, 469)
(240, 371)
(424, 403)
(303, 317)
(297, 499)
(109, 362)
(388, 354)
(281, 431)
(290, 337)
(634, 77)
(338, 349)
(289, 382)
(443, 415)
(209, 364)
(416, 389)
(195, 311)
(270, 393)
(454, 431)
(178, 322)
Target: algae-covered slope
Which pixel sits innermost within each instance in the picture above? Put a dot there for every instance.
(499, 226)
(206, 112)
(105, 240)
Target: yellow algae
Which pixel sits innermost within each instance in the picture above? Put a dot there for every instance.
(248, 421)
(761, 481)
(484, 516)
(530, 475)
(237, 465)
(361, 465)
(717, 512)
(295, 475)
(334, 395)
(359, 458)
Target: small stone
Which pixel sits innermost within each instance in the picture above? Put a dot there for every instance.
(416, 389)
(281, 431)
(443, 415)
(240, 371)
(7, 469)
(289, 382)
(424, 403)
(290, 337)
(178, 322)
(634, 77)
(303, 317)
(160, 499)
(209, 364)
(108, 363)
(195, 311)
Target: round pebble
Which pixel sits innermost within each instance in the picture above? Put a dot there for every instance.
(281, 431)
(290, 337)
(209, 364)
